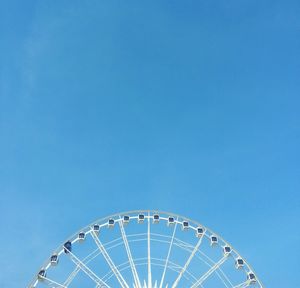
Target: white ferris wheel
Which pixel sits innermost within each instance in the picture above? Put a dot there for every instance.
(145, 249)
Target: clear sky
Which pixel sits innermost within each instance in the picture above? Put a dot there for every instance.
(184, 106)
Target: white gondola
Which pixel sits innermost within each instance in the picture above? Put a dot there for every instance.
(81, 236)
(96, 228)
(227, 250)
(54, 259)
(155, 218)
(213, 240)
(199, 232)
(126, 219)
(141, 218)
(239, 263)
(42, 274)
(251, 278)
(111, 223)
(185, 225)
(171, 220)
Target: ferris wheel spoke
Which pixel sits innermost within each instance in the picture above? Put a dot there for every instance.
(132, 265)
(187, 262)
(149, 254)
(87, 270)
(109, 261)
(168, 256)
(51, 282)
(71, 276)
(209, 272)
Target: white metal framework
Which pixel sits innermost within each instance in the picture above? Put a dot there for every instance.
(145, 249)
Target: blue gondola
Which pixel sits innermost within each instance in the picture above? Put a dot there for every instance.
(68, 247)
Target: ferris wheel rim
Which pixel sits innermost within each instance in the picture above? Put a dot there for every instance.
(118, 219)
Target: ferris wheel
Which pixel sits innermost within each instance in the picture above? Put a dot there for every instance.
(145, 249)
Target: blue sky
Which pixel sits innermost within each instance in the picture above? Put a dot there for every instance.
(183, 106)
